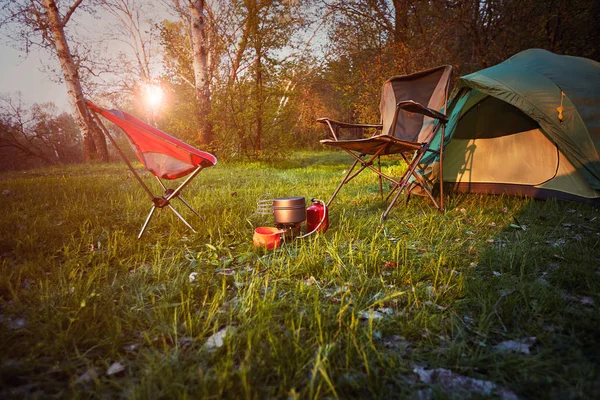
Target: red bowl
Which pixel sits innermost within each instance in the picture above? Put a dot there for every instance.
(268, 237)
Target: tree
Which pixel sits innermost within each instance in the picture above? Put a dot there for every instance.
(253, 54)
(201, 67)
(43, 23)
(268, 31)
(36, 135)
(134, 34)
(194, 12)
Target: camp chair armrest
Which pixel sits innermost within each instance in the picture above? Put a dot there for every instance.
(334, 126)
(349, 125)
(417, 108)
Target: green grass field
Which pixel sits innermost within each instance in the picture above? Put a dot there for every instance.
(496, 298)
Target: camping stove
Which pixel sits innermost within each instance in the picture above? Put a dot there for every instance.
(289, 214)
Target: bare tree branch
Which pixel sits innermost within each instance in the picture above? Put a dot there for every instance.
(70, 12)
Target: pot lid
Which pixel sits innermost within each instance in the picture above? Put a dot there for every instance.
(289, 202)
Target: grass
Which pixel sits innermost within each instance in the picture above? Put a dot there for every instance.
(87, 310)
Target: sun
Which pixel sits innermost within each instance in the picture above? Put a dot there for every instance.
(153, 94)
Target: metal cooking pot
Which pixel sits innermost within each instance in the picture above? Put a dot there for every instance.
(289, 210)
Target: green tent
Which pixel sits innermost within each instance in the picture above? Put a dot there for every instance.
(530, 126)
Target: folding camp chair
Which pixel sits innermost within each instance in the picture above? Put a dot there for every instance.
(410, 119)
(163, 155)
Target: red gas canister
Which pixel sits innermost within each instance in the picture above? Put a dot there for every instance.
(316, 213)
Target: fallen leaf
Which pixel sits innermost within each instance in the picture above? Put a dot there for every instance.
(87, 376)
(386, 310)
(226, 271)
(398, 343)
(432, 304)
(115, 368)
(543, 282)
(376, 315)
(185, 342)
(462, 386)
(310, 281)
(216, 340)
(391, 264)
(16, 324)
(585, 300)
(131, 347)
(518, 346)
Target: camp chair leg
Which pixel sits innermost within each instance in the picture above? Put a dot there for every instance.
(404, 177)
(343, 182)
(188, 206)
(421, 183)
(380, 178)
(393, 202)
(181, 218)
(168, 193)
(175, 192)
(147, 221)
(397, 184)
(403, 185)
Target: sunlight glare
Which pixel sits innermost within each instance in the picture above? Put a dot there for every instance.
(153, 94)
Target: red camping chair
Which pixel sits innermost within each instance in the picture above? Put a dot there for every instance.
(162, 154)
(410, 120)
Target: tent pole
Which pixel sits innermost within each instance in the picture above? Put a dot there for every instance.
(442, 167)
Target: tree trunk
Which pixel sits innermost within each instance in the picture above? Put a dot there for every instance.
(259, 100)
(256, 40)
(94, 143)
(201, 75)
(400, 22)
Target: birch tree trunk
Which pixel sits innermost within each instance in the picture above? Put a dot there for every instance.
(201, 73)
(94, 143)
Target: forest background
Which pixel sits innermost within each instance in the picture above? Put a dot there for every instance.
(248, 78)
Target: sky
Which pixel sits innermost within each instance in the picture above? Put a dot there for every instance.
(23, 74)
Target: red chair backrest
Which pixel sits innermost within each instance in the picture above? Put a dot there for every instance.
(162, 154)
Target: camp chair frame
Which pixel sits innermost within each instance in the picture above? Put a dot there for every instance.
(164, 200)
(366, 151)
